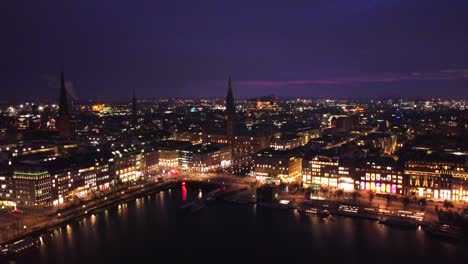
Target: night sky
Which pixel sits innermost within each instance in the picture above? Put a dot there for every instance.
(314, 48)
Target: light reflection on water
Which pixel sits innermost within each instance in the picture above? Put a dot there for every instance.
(107, 236)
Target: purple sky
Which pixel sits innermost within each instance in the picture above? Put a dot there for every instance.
(313, 48)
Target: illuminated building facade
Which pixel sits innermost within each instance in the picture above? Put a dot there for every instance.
(205, 157)
(32, 186)
(284, 142)
(169, 154)
(128, 167)
(383, 177)
(327, 171)
(437, 179)
(320, 171)
(151, 162)
(273, 166)
(6, 187)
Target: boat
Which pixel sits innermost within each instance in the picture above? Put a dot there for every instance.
(444, 231)
(197, 206)
(211, 196)
(313, 210)
(399, 221)
(18, 246)
(274, 205)
(347, 210)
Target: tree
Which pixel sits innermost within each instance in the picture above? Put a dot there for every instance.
(388, 199)
(405, 201)
(339, 193)
(422, 202)
(448, 204)
(355, 195)
(371, 196)
(324, 190)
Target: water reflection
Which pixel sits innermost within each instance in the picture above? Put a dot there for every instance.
(156, 225)
(184, 193)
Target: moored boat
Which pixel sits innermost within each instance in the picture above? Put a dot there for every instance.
(445, 231)
(313, 210)
(399, 221)
(18, 246)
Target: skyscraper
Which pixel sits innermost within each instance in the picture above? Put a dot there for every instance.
(63, 120)
(134, 110)
(230, 116)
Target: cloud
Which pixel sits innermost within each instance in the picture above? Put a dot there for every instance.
(448, 74)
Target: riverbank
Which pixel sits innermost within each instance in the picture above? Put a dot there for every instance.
(56, 220)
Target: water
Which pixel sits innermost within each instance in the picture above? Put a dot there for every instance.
(154, 230)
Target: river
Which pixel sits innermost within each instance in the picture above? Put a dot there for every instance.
(153, 229)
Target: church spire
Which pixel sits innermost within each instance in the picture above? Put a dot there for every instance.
(230, 108)
(63, 120)
(63, 102)
(230, 117)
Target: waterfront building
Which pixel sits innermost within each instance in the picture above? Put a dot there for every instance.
(380, 175)
(275, 166)
(320, 171)
(150, 161)
(6, 186)
(32, 186)
(128, 164)
(169, 154)
(437, 176)
(62, 174)
(205, 157)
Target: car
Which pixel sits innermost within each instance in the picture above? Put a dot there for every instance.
(17, 211)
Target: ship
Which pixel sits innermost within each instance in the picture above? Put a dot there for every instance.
(399, 221)
(312, 210)
(445, 231)
(18, 246)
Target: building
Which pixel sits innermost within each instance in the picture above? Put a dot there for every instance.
(321, 170)
(205, 157)
(380, 175)
(347, 123)
(274, 166)
(32, 186)
(284, 142)
(128, 165)
(64, 118)
(230, 116)
(263, 103)
(6, 187)
(437, 176)
(378, 140)
(169, 154)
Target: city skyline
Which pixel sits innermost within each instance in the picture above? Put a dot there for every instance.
(307, 49)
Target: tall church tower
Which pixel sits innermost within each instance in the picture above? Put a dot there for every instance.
(230, 116)
(63, 120)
